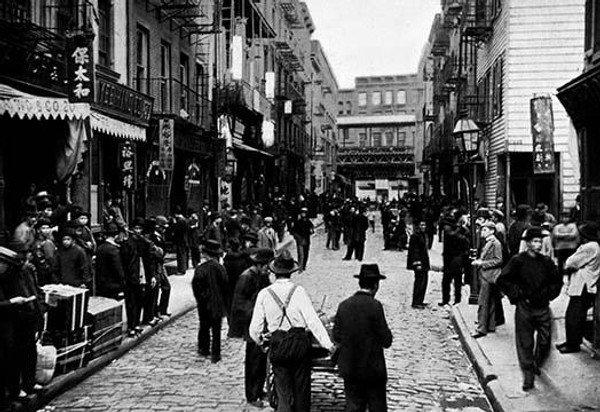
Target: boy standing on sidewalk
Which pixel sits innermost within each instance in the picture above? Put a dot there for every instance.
(531, 281)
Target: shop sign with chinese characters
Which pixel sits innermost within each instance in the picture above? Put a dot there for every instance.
(127, 161)
(542, 130)
(80, 68)
(166, 143)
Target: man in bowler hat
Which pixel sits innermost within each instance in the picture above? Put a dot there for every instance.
(361, 331)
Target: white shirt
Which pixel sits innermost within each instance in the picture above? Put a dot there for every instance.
(586, 261)
(300, 312)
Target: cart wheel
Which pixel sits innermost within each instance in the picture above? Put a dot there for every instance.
(270, 383)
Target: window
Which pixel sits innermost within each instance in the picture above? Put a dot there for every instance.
(497, 89)
(184, 76)
(401, 97)
(142, 59)
(362, 139)
(376, 98)
(362, 99)
(377, 139)
(388, 97)
(389, 138)
(165, 77)
(496, 6)
(401, 139)
(348, 107)
(592, 26)
(201, 107)
(340, 108)
(104, 33)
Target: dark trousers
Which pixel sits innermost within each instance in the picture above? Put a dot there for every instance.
(333, 239)
(303, 248)
(134, 300)
(182, 258)
(255, 371)
(209, 334)
(356, 248)
(486, 309)
(21, 374)
(292, 384)
(533, 327)
(164, 286)
(359, 395)
(150, 298)
(420, 286)
(6, 358)
(575, 317)
(195, 255)
(561, 257)
(500, 319)
(447, 279)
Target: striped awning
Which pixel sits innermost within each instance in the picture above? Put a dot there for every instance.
(23, 105)
(115, 127)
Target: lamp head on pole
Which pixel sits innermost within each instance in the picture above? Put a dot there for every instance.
(466, 135)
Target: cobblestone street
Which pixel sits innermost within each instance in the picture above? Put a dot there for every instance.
(428, 370)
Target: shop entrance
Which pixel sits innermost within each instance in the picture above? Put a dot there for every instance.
(527, 188)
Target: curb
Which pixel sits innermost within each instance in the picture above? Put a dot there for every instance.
(65, 382)
(484, 369)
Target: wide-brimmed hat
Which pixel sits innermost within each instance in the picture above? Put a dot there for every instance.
(533, 232)
(162, 221)
(268, 219)
(284, 263)
(369, 271)
(589, 231)
(42, 222)
(262, 255)
(78, 213)
(522, 211)
(138, 221)
(42, 195)
(67, 230)
(212, 248)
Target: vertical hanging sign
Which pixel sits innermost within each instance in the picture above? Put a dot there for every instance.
(166, 144)
(80, 67)
(127, 161)
(542, 130)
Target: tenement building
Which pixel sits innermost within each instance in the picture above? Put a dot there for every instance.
(376, 135)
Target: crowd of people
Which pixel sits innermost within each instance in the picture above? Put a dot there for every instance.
(527, 257)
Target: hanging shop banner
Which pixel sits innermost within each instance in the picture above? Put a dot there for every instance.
(127, 164)
(166, 143)
(80, 68)
(542, 130)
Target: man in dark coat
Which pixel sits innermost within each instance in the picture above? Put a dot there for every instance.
(523, 215)
(531, 281)
(71, 265)
(139, 274)
(358, 235)
(181, 241)
(157, 237)
(361, 331)
(252, 281)
(235, 263)
(456, 247)
(302, 230)
(210, 288)
(418, 261)
(110, 276)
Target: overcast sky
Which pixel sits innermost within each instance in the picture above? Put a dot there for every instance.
(372, 37)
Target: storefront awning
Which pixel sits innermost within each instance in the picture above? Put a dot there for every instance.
(241, 146)
(28, 106)
(114, 127)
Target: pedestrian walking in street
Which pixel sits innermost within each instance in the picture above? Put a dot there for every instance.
(358, 235)
(418, 261)
(361, 331)
(210, 289)
(194, 238)
(530, 280)
(235, 263)
(583, 268)
(181, 228)
(333, 227)
(139, 274)
(302, 230)
(489, 266)
(214, 231)
(110, 275)
(455, 249)
(267, 237)
(162, 294)
(251, 282)
(371, 217)
(289, 321)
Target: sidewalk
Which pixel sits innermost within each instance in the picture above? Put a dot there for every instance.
(567, 383)
(182, 301)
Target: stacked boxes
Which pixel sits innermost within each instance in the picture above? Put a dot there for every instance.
(65, 325)
(106, 319)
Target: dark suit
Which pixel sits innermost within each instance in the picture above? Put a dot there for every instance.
(358, 236)
(418, 261)
(362, 332)
(110, 276)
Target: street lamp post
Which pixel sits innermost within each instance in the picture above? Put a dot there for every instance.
(466, 135)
